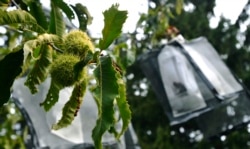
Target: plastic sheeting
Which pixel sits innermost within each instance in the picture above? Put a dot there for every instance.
(212, 67)
(179, 82)
(196, 89)
(79, 132)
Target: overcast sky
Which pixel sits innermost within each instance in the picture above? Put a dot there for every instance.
(228, 8)
(96, 7)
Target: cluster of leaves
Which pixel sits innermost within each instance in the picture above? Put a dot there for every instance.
(42, 41)
(149, 120)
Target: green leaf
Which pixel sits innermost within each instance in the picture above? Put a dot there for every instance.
(71, 108)
(178, 6)
(113, 22)
(35, 8)
(52, 96)
(83, 15)
(26, 20)
(104, 93)
(32, 48)
(78, 68)
(65, 8)
(57, 25)
(10, 68)
(123, 106)
(40, 69)
(30, 45)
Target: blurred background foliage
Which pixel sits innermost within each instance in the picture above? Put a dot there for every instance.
(232, 40)
(13, 129)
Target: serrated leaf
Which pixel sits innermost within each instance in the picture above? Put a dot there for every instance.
(36, 10)
(71, 108)
(83, 16)
(21, 17)
(104, 93)
(57, 25)
(52, 96)
(65, 8)
(123, 106)
(113, 22)
(10, 68)
(40, 69)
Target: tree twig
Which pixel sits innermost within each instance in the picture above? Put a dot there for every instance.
(14, 2)
(56, 48)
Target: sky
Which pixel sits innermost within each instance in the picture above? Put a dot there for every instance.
(228, 8)
(134, 8)
(97, 7)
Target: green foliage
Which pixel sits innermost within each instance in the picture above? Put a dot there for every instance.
(113, 20)
(40, 69)
(83, 15)
(20, 17)
(109, 87)
(52, 95)
(57, 25)
(43, 39)
(81, 64)
(37, 12)
(44, 43)
(65, 8)
(4, 2)
(71, 108)
(12, 65)
(122, 104)
(105, 93)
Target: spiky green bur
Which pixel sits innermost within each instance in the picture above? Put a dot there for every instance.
(62, 69)
(78, 43)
